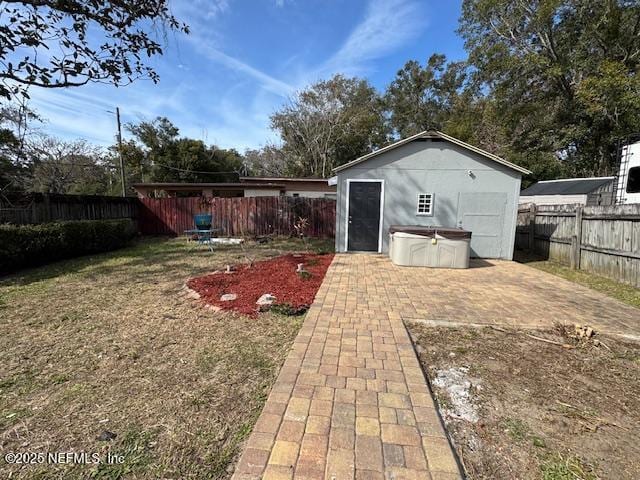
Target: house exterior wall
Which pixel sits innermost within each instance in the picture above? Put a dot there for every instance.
(250, 192)
(296, 185)
(436, 167)
(261, 192)
(603, 195)
(309, 194)
(578, 199)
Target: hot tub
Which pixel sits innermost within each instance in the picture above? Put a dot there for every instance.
(440, 247)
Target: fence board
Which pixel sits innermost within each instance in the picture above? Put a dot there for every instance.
(43, 208)
(609, 243)
(243, 216)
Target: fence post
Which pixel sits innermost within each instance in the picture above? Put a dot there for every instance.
(532, 227)
(576, 239)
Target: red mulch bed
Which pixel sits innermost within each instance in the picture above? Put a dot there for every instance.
(276, 276)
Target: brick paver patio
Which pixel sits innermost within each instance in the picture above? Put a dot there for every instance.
(351, 401)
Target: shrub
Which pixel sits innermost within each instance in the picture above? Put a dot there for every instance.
(29, 245)
(288, 309)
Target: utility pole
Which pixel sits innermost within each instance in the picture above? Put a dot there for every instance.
(124, 187)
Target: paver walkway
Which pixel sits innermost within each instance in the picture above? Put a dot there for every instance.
(351, 401)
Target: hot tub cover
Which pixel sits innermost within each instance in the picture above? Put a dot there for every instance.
(430, 231)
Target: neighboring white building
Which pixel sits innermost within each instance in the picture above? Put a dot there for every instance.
(628, 184)
(580, 191)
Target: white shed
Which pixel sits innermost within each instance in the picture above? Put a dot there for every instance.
(429, 179)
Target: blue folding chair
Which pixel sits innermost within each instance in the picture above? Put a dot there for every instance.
(203, 231)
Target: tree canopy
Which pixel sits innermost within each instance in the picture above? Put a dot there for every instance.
(159, 154)
(551, 85)
(563, 74)
(329, 123)
(56, 44)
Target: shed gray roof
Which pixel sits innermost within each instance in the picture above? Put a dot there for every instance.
(434, 134)
(566, 186)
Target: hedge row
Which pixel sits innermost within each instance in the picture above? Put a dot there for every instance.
(29, 245)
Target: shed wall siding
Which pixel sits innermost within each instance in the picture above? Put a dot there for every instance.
(440, 168)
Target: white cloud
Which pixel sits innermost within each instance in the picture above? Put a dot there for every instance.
(266, 81)
(208, 9)
(388, 24)
(231, 107)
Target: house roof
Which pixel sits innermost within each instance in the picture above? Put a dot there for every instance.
(284, 179)
(566, 186)
(438, 135)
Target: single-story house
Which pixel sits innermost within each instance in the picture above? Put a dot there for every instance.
(245, 187)
(428, 179)
(580, 191)
(294, 187)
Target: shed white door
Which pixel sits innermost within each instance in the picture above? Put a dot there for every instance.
(483, 215)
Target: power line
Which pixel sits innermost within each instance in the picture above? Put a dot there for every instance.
(191, 171)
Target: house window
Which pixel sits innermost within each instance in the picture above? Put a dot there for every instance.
(633, 184)
(425, 204)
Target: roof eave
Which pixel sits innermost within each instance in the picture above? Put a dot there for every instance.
(433, 134)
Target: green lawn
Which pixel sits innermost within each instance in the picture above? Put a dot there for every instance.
(111, 343)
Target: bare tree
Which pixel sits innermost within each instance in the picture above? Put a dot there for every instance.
(267, 161)
(328, 124)
(61, 166)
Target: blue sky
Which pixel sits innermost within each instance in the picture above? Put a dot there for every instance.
(245, 58)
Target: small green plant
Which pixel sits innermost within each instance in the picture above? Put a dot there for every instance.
(516, 428)
(288, 309)
(59, 378)
(300, 227)
(135, 451)
(539, 442)
(560, 467)
(304, 275)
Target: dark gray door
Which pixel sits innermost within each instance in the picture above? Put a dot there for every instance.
(364, 216)
(483, 215)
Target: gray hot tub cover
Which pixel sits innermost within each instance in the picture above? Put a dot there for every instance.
(430, 231)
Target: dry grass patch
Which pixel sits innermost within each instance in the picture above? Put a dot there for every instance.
(543, 410)
(625, 293)
(110, 343)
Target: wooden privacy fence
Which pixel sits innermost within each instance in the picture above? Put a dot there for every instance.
(43, 208)
(600, 239)
(241, 216)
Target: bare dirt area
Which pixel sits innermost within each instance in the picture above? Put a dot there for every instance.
(518, 407)
(110, 344)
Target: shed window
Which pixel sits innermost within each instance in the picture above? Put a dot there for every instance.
(633, 184)
(425, 203)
